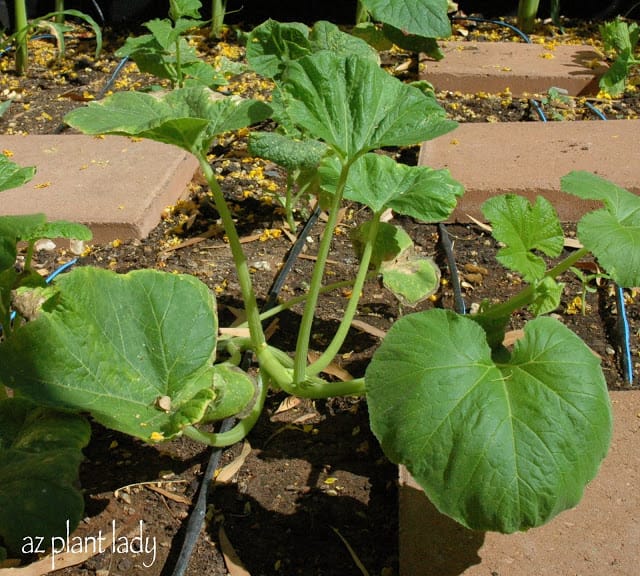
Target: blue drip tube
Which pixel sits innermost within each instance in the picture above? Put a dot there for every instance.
(624, 332)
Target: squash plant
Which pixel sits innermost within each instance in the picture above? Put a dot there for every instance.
(54, 21)
(499, 439)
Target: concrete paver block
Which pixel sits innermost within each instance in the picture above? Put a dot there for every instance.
(599, 536)
(492, 67)
(117, 186)
(529, 158)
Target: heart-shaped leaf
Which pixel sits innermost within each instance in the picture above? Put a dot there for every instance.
(524, 228)
(612, 233)
(355, 106)
(380, 182)
(122, 347)
(40, 452)
(496, 446)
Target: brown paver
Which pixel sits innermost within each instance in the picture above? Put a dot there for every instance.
(529, 158)
(117, 186)
(492, 67)
(599, 536)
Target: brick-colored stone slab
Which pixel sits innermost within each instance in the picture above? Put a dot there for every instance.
(492, 67)
(600, 536)
(529, 158)
(115, 185)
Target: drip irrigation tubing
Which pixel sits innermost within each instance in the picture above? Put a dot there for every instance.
(198, 513)
(447, 247)
(623, 331)
(497, 23)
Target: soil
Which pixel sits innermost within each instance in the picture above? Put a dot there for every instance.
(314, 494)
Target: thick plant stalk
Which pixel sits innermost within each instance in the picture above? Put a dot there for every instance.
(362, 14)
(21, 26)
(218, 10)
(59, 7)
(527, 11)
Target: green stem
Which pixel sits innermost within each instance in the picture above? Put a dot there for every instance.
(179, 75)
(22, 27)
(218, 10)
(527, 295)
(352, 307)
(238, 432)
(59, 7)
(258, 340)
(298, 299)
(315, 287)
(527, 11)
(362, 14)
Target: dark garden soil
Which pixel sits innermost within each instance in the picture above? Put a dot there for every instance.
(314, 494)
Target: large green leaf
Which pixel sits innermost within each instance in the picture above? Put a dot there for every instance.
(380, 182)
(612, 233)
(500, 447)
(134, 350)
(40, 452)
(421, 17)
(355, 106)
(273, 43)
(188, 117)
(524, 228)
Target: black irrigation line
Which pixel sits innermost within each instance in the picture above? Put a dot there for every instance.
(447, 247)
(198, 513)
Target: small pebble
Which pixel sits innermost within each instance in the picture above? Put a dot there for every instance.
(45, 245)
(261, 265)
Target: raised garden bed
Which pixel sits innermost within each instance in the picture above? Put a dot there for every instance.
(314, 472)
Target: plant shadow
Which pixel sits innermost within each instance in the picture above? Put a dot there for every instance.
(432, 544)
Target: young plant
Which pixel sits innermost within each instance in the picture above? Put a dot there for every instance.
(506, 439)
(166, 53)
(528, 10)
(585, 284)
(620, 42)
(499, 439)
(54, 21)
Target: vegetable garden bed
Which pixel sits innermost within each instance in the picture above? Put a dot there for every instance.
(315, 495)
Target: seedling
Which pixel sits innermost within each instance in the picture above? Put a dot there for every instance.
(54, 21)
(620, 41)
(586, 281)
(166, 53)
